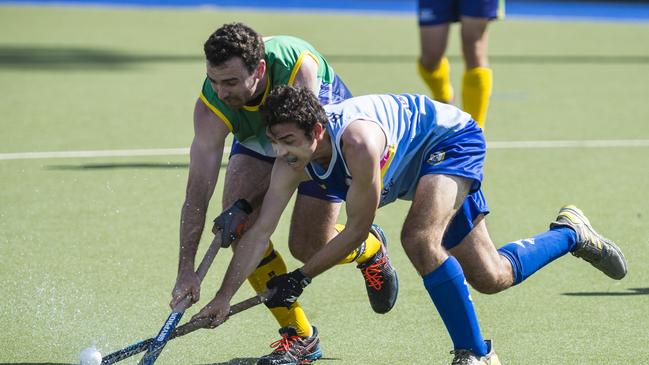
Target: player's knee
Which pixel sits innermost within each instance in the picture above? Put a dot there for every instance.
(431, 61)
(412, 238)
(304, 244)
(300, 252)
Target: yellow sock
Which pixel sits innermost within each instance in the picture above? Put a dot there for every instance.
(438, 80)
(364, 252)
(272, 265)
(476, 91)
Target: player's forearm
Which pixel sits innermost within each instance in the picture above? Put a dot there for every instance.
(192, 221)
(247, 255)
(334, 251)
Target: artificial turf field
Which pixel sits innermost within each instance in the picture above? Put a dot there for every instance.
(88, 246)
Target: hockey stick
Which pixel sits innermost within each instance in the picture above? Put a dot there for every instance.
(239, 211)
(186, 328)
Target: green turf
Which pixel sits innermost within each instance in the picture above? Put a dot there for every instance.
(88, 247)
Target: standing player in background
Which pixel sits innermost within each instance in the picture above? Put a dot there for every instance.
(374, 149)
(435, 18)
(241, 69)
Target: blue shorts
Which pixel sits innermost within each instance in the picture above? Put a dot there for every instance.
(461, 155)
(332, 93)
(435, 12)
(474, 205)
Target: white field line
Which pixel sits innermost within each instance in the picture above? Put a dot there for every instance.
(185, 151)
(569, 144)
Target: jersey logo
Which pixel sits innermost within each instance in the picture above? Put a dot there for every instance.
(436, 157)
(333, 117)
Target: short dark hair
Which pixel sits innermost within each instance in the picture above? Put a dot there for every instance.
(235, 40)
(287, 104)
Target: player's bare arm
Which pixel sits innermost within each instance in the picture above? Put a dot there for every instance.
(206, 153)
(363, 145)
(307, 74)
(252, 245)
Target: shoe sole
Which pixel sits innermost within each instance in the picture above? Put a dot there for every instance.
(312, 357)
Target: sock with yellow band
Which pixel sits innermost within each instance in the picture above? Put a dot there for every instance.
(272, 265)
(476, 91)
(365, 251)
(438, 80)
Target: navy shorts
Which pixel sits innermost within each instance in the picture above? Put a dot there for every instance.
(461, 155)
(435, 12)
(332, 93)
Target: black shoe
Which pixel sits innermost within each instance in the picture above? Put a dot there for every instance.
(381, 279)
(292, 349)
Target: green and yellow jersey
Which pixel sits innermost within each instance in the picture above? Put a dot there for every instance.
(284, 55)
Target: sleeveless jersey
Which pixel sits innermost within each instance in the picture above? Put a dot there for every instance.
(283, 55)
(413, 126)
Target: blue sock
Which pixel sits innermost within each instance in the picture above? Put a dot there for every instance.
(529, 255)
(447, 288)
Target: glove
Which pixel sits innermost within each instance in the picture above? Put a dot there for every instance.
(288, 287)
(232, 222)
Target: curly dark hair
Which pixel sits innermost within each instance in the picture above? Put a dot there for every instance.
(234, 40)
(287, 104)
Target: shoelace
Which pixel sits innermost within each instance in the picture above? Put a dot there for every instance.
(373, 274)
(284, 343)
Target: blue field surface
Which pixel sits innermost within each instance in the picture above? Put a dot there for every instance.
(633, 11)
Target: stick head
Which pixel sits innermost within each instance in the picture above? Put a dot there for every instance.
(90, 356)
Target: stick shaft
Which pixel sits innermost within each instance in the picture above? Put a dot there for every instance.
(176, 314)
(186, 328)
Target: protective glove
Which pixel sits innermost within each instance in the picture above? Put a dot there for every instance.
(232, 222)
(288, 287)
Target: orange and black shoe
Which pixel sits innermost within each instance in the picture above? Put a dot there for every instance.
(292, 349)
(381, 279)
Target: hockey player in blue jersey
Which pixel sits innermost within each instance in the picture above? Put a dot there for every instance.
(372, 150)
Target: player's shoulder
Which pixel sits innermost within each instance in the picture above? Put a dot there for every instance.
(283, 42)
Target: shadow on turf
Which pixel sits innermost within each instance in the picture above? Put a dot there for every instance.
(235, 361)
(632, 291)
(82, 58)
(249, 361)
(135, 165)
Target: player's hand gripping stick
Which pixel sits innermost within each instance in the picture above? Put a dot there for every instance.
(231, 224)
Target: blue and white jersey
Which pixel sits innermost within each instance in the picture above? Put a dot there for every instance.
(413, 126)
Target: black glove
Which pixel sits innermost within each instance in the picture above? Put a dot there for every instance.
(288, 288)
(232, 222)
